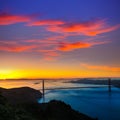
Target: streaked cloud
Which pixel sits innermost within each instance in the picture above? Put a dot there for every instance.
(48, 49)
(101, 67)
(46, 22)
(15, 47)
(7, 18)
(36, 46)
(89, 28)
(52, 45)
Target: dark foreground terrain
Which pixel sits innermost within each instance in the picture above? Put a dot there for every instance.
(21, 95)
(28, 110)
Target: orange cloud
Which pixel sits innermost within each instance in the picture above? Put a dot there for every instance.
(46, 22)
(100, 31)
(71, 46)
(90, 28)
(7, 19)
(98, 67)
(77, 45)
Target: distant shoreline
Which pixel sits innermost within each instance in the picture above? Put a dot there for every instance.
(115, 83)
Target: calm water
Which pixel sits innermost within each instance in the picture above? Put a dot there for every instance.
(95, 102)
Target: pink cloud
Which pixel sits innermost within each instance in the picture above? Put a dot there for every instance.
(7, 18)
(16, 48)
(107, 29)
(88, 28)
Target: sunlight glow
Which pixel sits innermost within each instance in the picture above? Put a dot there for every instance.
(33, 74)
(5, 74)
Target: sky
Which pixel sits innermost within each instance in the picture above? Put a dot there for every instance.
(59, 38)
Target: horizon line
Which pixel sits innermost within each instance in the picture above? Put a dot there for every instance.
(55, 78)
